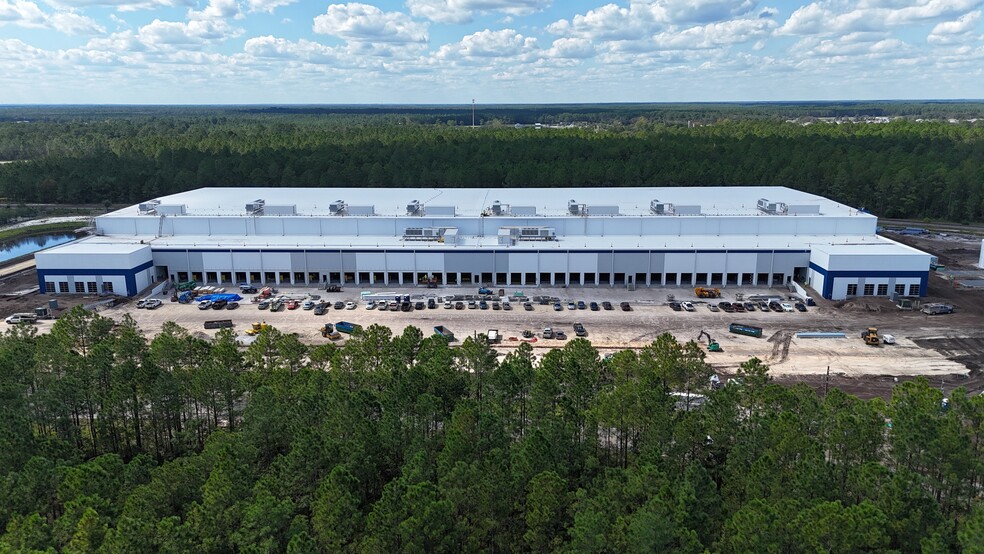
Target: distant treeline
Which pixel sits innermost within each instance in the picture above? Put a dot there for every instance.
(907, 168)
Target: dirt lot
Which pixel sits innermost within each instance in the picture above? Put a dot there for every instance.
(949, 349)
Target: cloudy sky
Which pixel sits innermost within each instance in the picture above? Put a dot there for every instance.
(495, 51)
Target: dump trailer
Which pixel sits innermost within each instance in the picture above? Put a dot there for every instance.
(444, 332)
(218, 324)
(870, 336)
(347, 327)
(703, 292)
(747, 330)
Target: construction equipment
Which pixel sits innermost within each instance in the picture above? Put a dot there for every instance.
(712, 345)
(328, 331)
(870, 336)
(703, 292)
(444, 332)
(257, 328)
(187, 285)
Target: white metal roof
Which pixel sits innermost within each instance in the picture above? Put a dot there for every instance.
(472, 202)
(98, 245)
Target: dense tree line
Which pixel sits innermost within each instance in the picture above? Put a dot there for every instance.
(907, 168)
(112, 443)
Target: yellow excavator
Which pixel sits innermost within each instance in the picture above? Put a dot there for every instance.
(703, 292)
(870, 336)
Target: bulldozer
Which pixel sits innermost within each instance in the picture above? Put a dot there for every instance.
(712, 345)
(257, 328)
(870, 336)
(328, 331)
(703, 292)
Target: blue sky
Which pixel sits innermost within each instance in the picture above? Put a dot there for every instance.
(495, 51)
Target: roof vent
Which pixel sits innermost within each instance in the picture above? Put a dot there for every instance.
(414, 208)
(149, 207)
(499, 208)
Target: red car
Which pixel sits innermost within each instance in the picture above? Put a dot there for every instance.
(293, 304)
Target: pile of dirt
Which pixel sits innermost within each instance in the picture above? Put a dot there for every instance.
(865, 304)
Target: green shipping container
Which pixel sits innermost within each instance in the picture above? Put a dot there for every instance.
(748, 330)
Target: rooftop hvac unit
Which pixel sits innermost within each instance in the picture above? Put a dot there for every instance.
(576, 209)
(602, 210)
(271, 209)
(777, 208)
(255, 207)
(414, 208)
(499, 208)
(171, 209)
(423, 233)
(528, 233)
(661, 208)
(149, 207)
(337, 207)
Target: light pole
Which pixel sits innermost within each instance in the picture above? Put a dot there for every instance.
(473, 113)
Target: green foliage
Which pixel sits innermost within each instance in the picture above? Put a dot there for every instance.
(404, 444)
(919, 165)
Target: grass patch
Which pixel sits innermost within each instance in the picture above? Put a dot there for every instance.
(43, 229)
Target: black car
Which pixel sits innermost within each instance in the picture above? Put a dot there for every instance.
(579, 330)
(339, 305)
(676, 306)
(775, 306)
(800, 307)
(749, 306)
(594, 306)
(219, 304)
(431, 303)
(406, 307)
(607, 305)
(581, 305)
(321, 308)
(232, 305)
(248, 290)
(419, 305)
(626, 307)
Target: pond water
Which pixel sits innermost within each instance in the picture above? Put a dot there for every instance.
(28, 245)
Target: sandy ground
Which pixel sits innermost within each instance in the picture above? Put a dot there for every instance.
(612, 330)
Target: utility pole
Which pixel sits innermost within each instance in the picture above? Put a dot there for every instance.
(473, 113)
(826, 382)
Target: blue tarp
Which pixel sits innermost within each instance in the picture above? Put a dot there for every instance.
(213, 297)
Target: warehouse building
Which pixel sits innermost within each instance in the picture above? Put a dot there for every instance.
(601, 237)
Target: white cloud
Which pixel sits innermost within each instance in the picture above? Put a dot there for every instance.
(191, 34)
(704, 11)
(302, 50)
(217, 9)
(120, 5)
(962, 29)
(575, 48)
(28, 14)
(268, 6)
(362, 22)
(714, 35)
(612, 22)
(504, 43)
(463, 11)
(827, 17)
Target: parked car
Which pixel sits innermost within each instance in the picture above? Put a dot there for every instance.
(431, 303)
(142, 303)
(688, 306)
(419, 305)
(749, 306)
(764, 306)
(548, 333)
(293, 304)
(339, 305)
(506, 306)
(350, 305)
(308, 305)
(786, 306)
(483, 305)
(205, 304)
(528, 306)
(472, 304)
(321, 308)
(713, 308)
(219, 304)
(560, 335)
(607, 305)
(448, 305)
(496, 306)
(581, 305)
(371, 305)
(800, 307)
(571, 305)
(459, 305)
(406, 307)
(626, 307)
(558, 307)
(264, 304)
(675, 306)
(738, 307)
(579, 330)
(232, 305)
(593, 306)
(775, 306)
